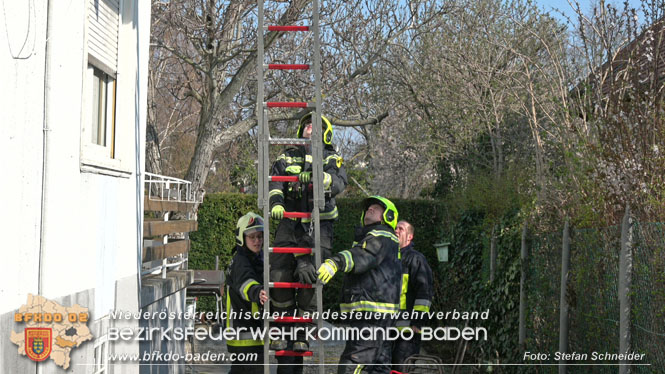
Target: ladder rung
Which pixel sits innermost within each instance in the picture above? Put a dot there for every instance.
(289, 285)
(288, 28)
(292, 320)
(297, 215)
(288, 66)
(283, 178)
(294, 354)
(288, 104)
(289, 141)
(290, 250)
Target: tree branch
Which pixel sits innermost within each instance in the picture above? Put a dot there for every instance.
(363, 122)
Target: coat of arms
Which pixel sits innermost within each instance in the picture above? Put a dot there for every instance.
(38, 343)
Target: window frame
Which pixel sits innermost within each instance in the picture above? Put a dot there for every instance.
(108, 112)
(93, 154)
(108, 158)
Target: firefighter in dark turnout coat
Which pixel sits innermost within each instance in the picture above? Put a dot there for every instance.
(372, 284)
(297, 197)
(245, 295)
(416, 295)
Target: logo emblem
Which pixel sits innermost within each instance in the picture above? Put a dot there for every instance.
(38, 343)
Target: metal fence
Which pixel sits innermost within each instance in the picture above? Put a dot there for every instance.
(648, 312)
(593, 296)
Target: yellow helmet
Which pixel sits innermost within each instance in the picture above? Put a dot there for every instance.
(325, 124)
(389, 215)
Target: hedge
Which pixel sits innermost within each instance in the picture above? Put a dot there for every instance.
(460, 284)
(219, 213)
(217, 219)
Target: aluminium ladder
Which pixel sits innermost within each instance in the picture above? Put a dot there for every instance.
(264, 177)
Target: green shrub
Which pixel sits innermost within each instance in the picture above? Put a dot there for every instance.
(219, 213)
(459, 284)
(427, 217)
(215, 236)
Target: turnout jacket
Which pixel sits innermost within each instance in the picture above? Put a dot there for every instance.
(244, 282)
(374, 270)
(417, 289)
(296, 196)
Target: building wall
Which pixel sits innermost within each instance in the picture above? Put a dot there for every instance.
(81, 222)
(164, 295)
(21, 122)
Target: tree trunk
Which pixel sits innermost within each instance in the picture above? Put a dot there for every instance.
(207, 141)
(153, 155)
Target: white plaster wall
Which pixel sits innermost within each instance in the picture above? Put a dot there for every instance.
(66, 267)
(92, 220)
(22, 56)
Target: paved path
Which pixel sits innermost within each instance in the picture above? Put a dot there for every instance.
(333, 349)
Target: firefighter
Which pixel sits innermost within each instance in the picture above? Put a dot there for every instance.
(297, 197)
(245, 293)
(372, 284)
(416, 295)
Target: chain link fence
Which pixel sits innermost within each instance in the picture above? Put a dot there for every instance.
(543, 294)
(648, 295)
(593, 297)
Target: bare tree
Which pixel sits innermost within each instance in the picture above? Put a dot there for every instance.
(207, 49)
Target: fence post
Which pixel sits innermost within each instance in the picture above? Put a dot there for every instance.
(493, 253)
(524, 266)
(563, 303)
(625, 280)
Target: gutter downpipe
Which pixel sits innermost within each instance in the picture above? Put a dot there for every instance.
(50, 9)
(142, 17)
(45, 147)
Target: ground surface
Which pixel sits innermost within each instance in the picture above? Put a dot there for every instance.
(333, 350)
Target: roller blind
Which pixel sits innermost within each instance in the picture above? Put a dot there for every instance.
(103, 21)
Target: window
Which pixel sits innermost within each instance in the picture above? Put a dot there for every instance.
(102, 121)
(101, 347)
(98, 133)
(99, 145)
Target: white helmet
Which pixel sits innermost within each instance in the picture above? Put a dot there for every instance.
(247, 224)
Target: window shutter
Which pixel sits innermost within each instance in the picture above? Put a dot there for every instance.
(103, 21)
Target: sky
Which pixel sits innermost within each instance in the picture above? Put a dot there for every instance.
(563, 5)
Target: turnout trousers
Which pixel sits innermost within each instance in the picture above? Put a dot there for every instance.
(245, 361)
(403, 349)
(294, 233)
(367, 355)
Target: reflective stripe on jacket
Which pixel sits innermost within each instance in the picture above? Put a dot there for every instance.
(417, 289)
(373, 271)
(296, 196)
(244, 283)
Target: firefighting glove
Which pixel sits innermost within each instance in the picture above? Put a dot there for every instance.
(327, 270)
(327, 181)
(305, 271)
(305, 176)
(277, 212)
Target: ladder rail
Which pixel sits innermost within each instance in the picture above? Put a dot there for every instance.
(317, 173)
(264, 178)
(263, 151)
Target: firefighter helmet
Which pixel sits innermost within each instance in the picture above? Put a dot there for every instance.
(325, 124)
(247, 224)
(389, 215)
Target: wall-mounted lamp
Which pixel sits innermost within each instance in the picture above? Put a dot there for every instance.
(442, 251)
